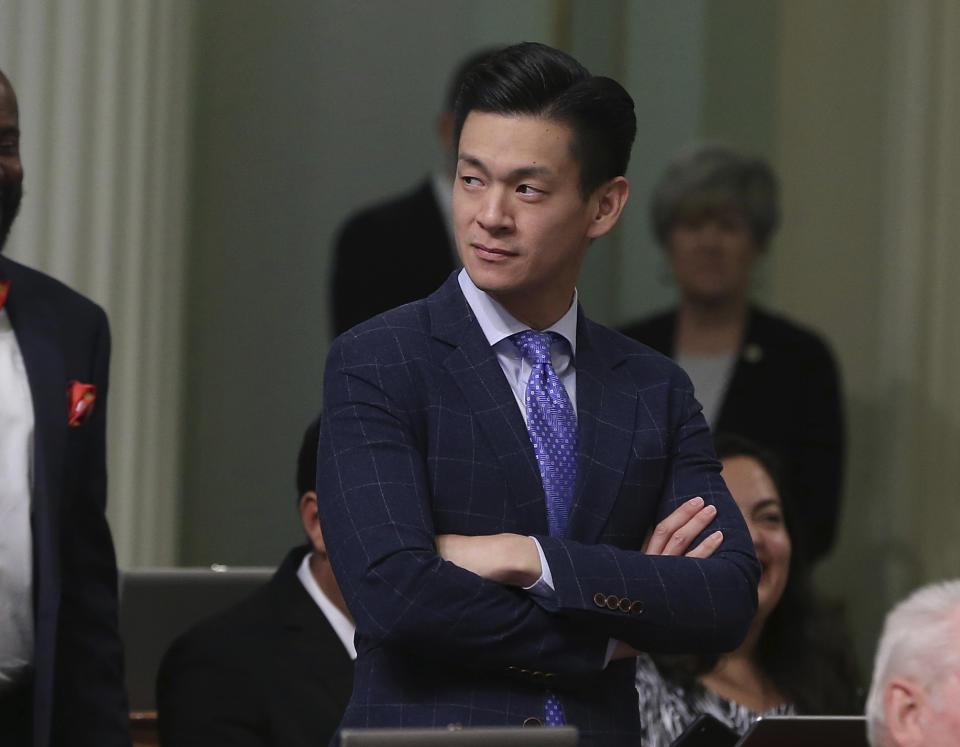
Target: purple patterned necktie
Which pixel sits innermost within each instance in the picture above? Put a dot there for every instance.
(552, 424)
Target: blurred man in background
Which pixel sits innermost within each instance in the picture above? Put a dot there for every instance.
(276, 669)
(402, 249)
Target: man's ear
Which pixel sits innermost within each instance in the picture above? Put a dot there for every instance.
(310, 520)
(904, 702)
(609, 200)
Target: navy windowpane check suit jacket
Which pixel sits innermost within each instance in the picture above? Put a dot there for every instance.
(422, 436)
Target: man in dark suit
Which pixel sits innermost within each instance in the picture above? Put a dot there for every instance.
(491, 460)
(402, 249)
(61, 669)
(277, 668)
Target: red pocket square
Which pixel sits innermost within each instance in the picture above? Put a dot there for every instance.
(80, 399)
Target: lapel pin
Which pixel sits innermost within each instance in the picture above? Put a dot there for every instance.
(752, 353)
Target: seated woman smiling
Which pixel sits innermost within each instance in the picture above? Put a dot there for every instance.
(796, 657)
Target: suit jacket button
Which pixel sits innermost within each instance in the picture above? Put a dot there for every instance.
(532, 721)
(612, 601)
(625, 605)
(600, 599)
(636, 608)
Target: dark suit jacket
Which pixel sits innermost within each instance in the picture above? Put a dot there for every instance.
(785, 395)
(78, 695)
(389, 254)
(268, 671)
(422, 435)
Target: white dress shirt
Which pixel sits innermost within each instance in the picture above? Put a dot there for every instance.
(16, 539)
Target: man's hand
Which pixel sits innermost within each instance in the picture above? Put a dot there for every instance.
(673, 535)
(510, 559)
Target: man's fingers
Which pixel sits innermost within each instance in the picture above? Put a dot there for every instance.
(665, 530)
(682, 538)
(708, 547)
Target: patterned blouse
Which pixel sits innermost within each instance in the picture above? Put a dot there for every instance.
(666, 709)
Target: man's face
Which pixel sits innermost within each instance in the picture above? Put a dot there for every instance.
(941, 722)
(11, 171)
(521, 224)
(919, 716)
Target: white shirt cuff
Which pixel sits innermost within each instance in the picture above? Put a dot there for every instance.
(543, 586)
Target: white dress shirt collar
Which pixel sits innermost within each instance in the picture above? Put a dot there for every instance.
(341, 624)
(498, 324)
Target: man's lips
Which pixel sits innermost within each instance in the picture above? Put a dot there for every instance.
(491, 252)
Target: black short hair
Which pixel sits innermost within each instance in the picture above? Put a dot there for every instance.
(534, 79)
(460, 73)
(307, 459)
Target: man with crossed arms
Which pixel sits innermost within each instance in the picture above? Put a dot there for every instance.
(491, 460)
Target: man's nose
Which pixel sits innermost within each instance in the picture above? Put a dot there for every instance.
(494, 215)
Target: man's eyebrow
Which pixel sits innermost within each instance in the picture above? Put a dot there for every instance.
(473, 161)
(520, 172)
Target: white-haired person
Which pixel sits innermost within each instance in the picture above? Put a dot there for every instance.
(915, 692)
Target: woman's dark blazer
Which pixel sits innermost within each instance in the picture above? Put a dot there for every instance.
(784, 395)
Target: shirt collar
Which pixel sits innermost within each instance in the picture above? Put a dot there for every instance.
(341, 624)
(498, 324)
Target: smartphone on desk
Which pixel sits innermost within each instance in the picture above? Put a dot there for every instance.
(707, 731)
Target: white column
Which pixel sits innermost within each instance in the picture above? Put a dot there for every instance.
(105, 95)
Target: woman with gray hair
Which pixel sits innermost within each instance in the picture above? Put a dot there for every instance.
(756, 374)
(915, 693)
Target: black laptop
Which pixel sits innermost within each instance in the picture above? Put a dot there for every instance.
(802, 731)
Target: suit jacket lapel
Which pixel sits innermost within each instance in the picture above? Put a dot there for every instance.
(606, 417)
(474, 366)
